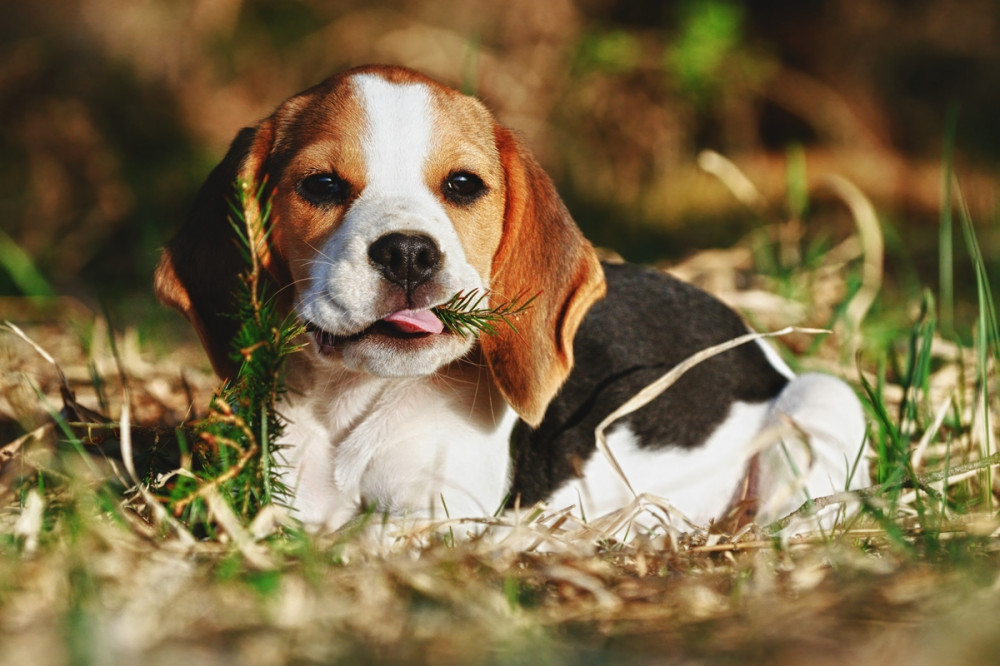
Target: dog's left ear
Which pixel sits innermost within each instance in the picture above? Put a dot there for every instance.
(543, 252)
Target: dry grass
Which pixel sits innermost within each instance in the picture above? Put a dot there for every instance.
(90, 576)
(97, 572)
(110, 593)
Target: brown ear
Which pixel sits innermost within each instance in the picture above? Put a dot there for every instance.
(542, 251)
(200, 267)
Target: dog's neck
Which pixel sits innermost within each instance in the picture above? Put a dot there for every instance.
(347, 395)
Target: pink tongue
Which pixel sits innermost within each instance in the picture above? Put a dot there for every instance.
(415, 321)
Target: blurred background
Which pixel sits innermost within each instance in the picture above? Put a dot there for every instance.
(113, 111)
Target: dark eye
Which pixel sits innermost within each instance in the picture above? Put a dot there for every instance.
(325, 189)
(463, 187)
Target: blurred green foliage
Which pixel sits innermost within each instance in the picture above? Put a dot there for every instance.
(114, 111)
(614, 51)
(710, 32)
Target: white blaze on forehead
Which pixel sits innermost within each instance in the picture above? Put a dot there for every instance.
(398, 136)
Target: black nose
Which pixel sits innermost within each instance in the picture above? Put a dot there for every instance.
(405, 259)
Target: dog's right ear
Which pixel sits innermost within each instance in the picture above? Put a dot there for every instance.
(200, 267)
(542, 253)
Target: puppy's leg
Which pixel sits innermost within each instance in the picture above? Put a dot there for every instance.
(821, 459)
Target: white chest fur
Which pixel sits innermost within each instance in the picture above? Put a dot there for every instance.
(428, 447)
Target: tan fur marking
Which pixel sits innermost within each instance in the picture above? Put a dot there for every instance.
(463, 141)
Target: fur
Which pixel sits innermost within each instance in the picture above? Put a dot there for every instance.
(390, 194)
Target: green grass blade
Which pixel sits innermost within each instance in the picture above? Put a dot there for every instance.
(22, 270)
(987, 339)
(946, 259)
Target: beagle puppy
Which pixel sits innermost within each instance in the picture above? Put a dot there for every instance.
(390, 194)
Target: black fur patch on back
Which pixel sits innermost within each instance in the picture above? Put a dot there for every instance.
(648, 323)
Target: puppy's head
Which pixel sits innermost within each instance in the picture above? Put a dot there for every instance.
(390, 194)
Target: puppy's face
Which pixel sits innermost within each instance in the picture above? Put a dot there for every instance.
(390, 199)
(390, 194)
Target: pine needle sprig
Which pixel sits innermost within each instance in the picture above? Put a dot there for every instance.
(469, 313)
(237, 447)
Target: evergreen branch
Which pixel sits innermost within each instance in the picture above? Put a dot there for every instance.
(468, 313)
(239, 438)
(227, 474)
